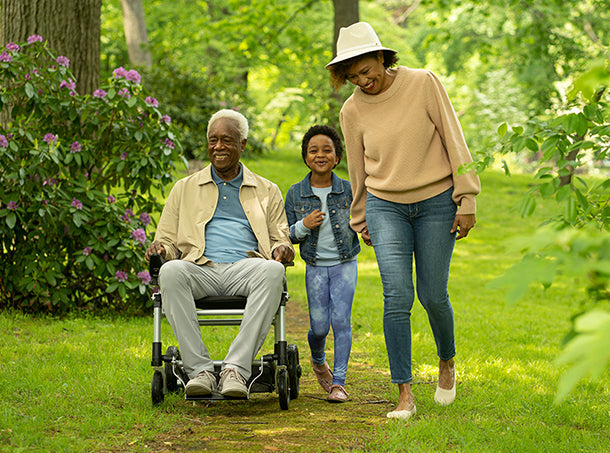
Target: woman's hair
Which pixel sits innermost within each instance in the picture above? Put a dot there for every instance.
(242, 122)
(330, 132)
(338, 71)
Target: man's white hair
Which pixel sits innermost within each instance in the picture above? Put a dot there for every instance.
(242, 121)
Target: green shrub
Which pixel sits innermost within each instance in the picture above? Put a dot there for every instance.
(78, 179)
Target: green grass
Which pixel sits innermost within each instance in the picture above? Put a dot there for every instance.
(82, 383)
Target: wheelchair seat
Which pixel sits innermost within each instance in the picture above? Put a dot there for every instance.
(279, 371)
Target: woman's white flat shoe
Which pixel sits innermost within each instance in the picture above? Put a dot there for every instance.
(445, 397)
(403, 415)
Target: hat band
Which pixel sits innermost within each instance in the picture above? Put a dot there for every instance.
(362, 46)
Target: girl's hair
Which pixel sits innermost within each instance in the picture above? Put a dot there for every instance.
(330, 132)
(242, 122)
(338, 71)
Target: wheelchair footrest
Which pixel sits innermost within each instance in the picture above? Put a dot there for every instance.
(212, 397)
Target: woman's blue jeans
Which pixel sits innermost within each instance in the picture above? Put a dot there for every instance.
(399, 233)
(330, 293)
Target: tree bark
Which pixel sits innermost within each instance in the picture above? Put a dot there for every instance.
(72, 28)
(136, 36)
(346, 13)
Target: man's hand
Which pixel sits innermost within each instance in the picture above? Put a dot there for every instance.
(463, 223)
(283, 254)
(314, 219)
(155, 247)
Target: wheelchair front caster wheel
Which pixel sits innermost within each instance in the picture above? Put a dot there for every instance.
(157, 388)
(282, 388)
(170, 378)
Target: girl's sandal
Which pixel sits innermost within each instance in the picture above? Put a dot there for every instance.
(337, 394)
(325, 376)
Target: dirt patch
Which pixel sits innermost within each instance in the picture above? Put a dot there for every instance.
(310, 423)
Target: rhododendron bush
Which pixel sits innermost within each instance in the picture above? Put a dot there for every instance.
(79, 177)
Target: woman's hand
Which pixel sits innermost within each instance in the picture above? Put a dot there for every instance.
(463, 223)
(314, 219)
(366, 237)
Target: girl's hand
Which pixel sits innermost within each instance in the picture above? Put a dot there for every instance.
(314, 219)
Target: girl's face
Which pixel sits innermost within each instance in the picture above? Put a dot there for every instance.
(369, 74)
(321, 157)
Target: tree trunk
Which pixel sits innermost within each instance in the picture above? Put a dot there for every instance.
(72, 28)
(346, 13)
(136, 35)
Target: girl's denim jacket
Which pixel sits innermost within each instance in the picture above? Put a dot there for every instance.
(301, 201)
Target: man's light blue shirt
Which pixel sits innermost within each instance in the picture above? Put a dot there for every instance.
(228, 236)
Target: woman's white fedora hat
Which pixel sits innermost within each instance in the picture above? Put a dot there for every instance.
(357, 39)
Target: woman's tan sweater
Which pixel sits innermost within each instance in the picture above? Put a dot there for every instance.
(405, 145)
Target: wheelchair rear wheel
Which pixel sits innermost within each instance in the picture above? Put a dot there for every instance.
(294, 371)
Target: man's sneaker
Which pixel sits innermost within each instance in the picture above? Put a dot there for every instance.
(232, 384)
(201, 385)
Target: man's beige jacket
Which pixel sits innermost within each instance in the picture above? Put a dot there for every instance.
(192, 203)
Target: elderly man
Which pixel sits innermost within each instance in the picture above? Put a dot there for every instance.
(224, 232)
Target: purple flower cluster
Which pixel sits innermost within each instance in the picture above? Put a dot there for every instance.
(111, 199)
(152, 102)
(6, 57)
(127, 216)
(130, 76)
(87, 251)
(34, 38)
(124, 92)
(99, 93)
(144, 277)
(49, 138)
(169, 143)
(3, 141)
(139, 235)
(12, 47)
(11, 205)
(145, 219)
(121, 276)
(63, 61)
(76, 203)
(75, 148)
(166, 119)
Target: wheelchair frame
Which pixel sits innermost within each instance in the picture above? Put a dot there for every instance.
(279, 371)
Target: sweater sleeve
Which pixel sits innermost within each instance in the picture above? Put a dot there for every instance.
(354, 147)
(442, 113)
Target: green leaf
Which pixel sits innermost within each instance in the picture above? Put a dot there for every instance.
(531, 144)
(502, 129)
(29, 90)
(112, 287)
(571, 210)
(528, 205)
(11, 220)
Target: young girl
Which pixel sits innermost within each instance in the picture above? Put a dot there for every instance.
(318, 211)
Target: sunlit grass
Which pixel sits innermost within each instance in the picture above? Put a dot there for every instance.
(83, 383)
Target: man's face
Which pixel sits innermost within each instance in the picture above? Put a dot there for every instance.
(225, 148)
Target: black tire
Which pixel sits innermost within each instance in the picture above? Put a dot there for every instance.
(294, 371)
(282, 388)
(170, 378)
(157, 388)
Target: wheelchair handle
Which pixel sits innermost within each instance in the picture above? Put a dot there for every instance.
(156, 261)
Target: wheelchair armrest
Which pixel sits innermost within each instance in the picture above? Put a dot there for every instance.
(154, 265)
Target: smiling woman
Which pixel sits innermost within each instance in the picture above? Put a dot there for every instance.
(404, 145)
